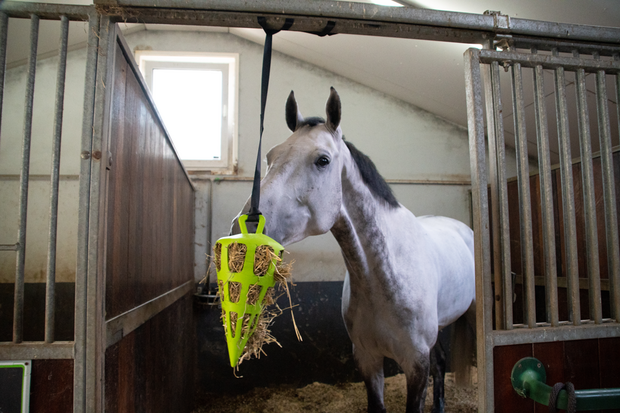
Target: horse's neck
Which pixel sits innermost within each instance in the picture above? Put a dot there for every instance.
(362, 230)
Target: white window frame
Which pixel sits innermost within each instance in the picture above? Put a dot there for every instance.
(228, 63)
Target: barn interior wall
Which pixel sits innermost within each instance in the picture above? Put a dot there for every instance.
(404, 141)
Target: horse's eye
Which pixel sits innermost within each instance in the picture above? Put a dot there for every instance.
(322, 161)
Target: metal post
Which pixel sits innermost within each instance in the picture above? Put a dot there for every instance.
(493, 185)
(18, 308)
(50, 299)
(546, 197)
(499, 198)
(525, 203)
(4, 25)
(95, 299)
(475, 122)
(81, 275)
(609, 190)
(568, 197)
(589, 200)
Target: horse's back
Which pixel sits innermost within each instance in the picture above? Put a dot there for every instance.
(451, 244)
(449, 225)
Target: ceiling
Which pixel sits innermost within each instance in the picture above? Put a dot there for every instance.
(426, 74)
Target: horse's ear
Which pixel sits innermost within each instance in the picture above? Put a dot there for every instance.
(293, 116)
(332, 109)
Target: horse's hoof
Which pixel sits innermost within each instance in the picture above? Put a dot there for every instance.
(438, 407)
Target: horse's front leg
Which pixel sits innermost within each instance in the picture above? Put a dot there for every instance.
(416, 373)
(438, 371)
(371, 369)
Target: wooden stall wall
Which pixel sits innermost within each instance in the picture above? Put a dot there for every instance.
(588, 364)
(515, 241)
(149, 252)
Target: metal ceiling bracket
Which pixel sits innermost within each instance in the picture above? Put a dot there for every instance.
(501, 22)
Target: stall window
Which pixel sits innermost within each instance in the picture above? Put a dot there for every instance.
(196, 96)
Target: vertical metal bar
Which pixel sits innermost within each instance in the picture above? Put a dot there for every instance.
(589, 200)
(50, 292)
(609, 189)
(568, 197)
(4, 25)
(493, 184)
(18, 308)
(81, 276)
(499, 198)
(475, 122)
(525, 203)
(546, 197)
(95, 292)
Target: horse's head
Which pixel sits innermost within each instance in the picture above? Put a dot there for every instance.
(301, 193)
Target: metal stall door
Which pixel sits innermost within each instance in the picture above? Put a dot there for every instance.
(544, 192)
(48, 322)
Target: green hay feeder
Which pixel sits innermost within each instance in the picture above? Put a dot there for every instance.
(245, 265)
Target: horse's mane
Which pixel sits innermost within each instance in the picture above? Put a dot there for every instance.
(371, 176)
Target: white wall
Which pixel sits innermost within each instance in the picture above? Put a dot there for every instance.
(404, 142)
(11, 142)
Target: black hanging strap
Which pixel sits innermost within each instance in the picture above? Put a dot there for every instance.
(254, 212)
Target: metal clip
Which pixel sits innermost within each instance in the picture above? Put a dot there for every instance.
(503, 43)
(501, 22)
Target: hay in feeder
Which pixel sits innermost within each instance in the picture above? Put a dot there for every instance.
(220, 290)
(282, 275)
(253, 294)
(283, 272)
(234, 291)
(236, 256)
(233, 322)
(217, 256)
(262, 259)
(269, 296)
(261, 336)
(258, 331)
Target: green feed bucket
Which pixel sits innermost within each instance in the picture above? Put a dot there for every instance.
(245, 265)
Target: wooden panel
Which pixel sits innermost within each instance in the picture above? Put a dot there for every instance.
(150, 202)
(149, 252)
(609, 365)
(582, 364)
(51, 386)
(152, 369)
(552, 357)
(506, 399)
